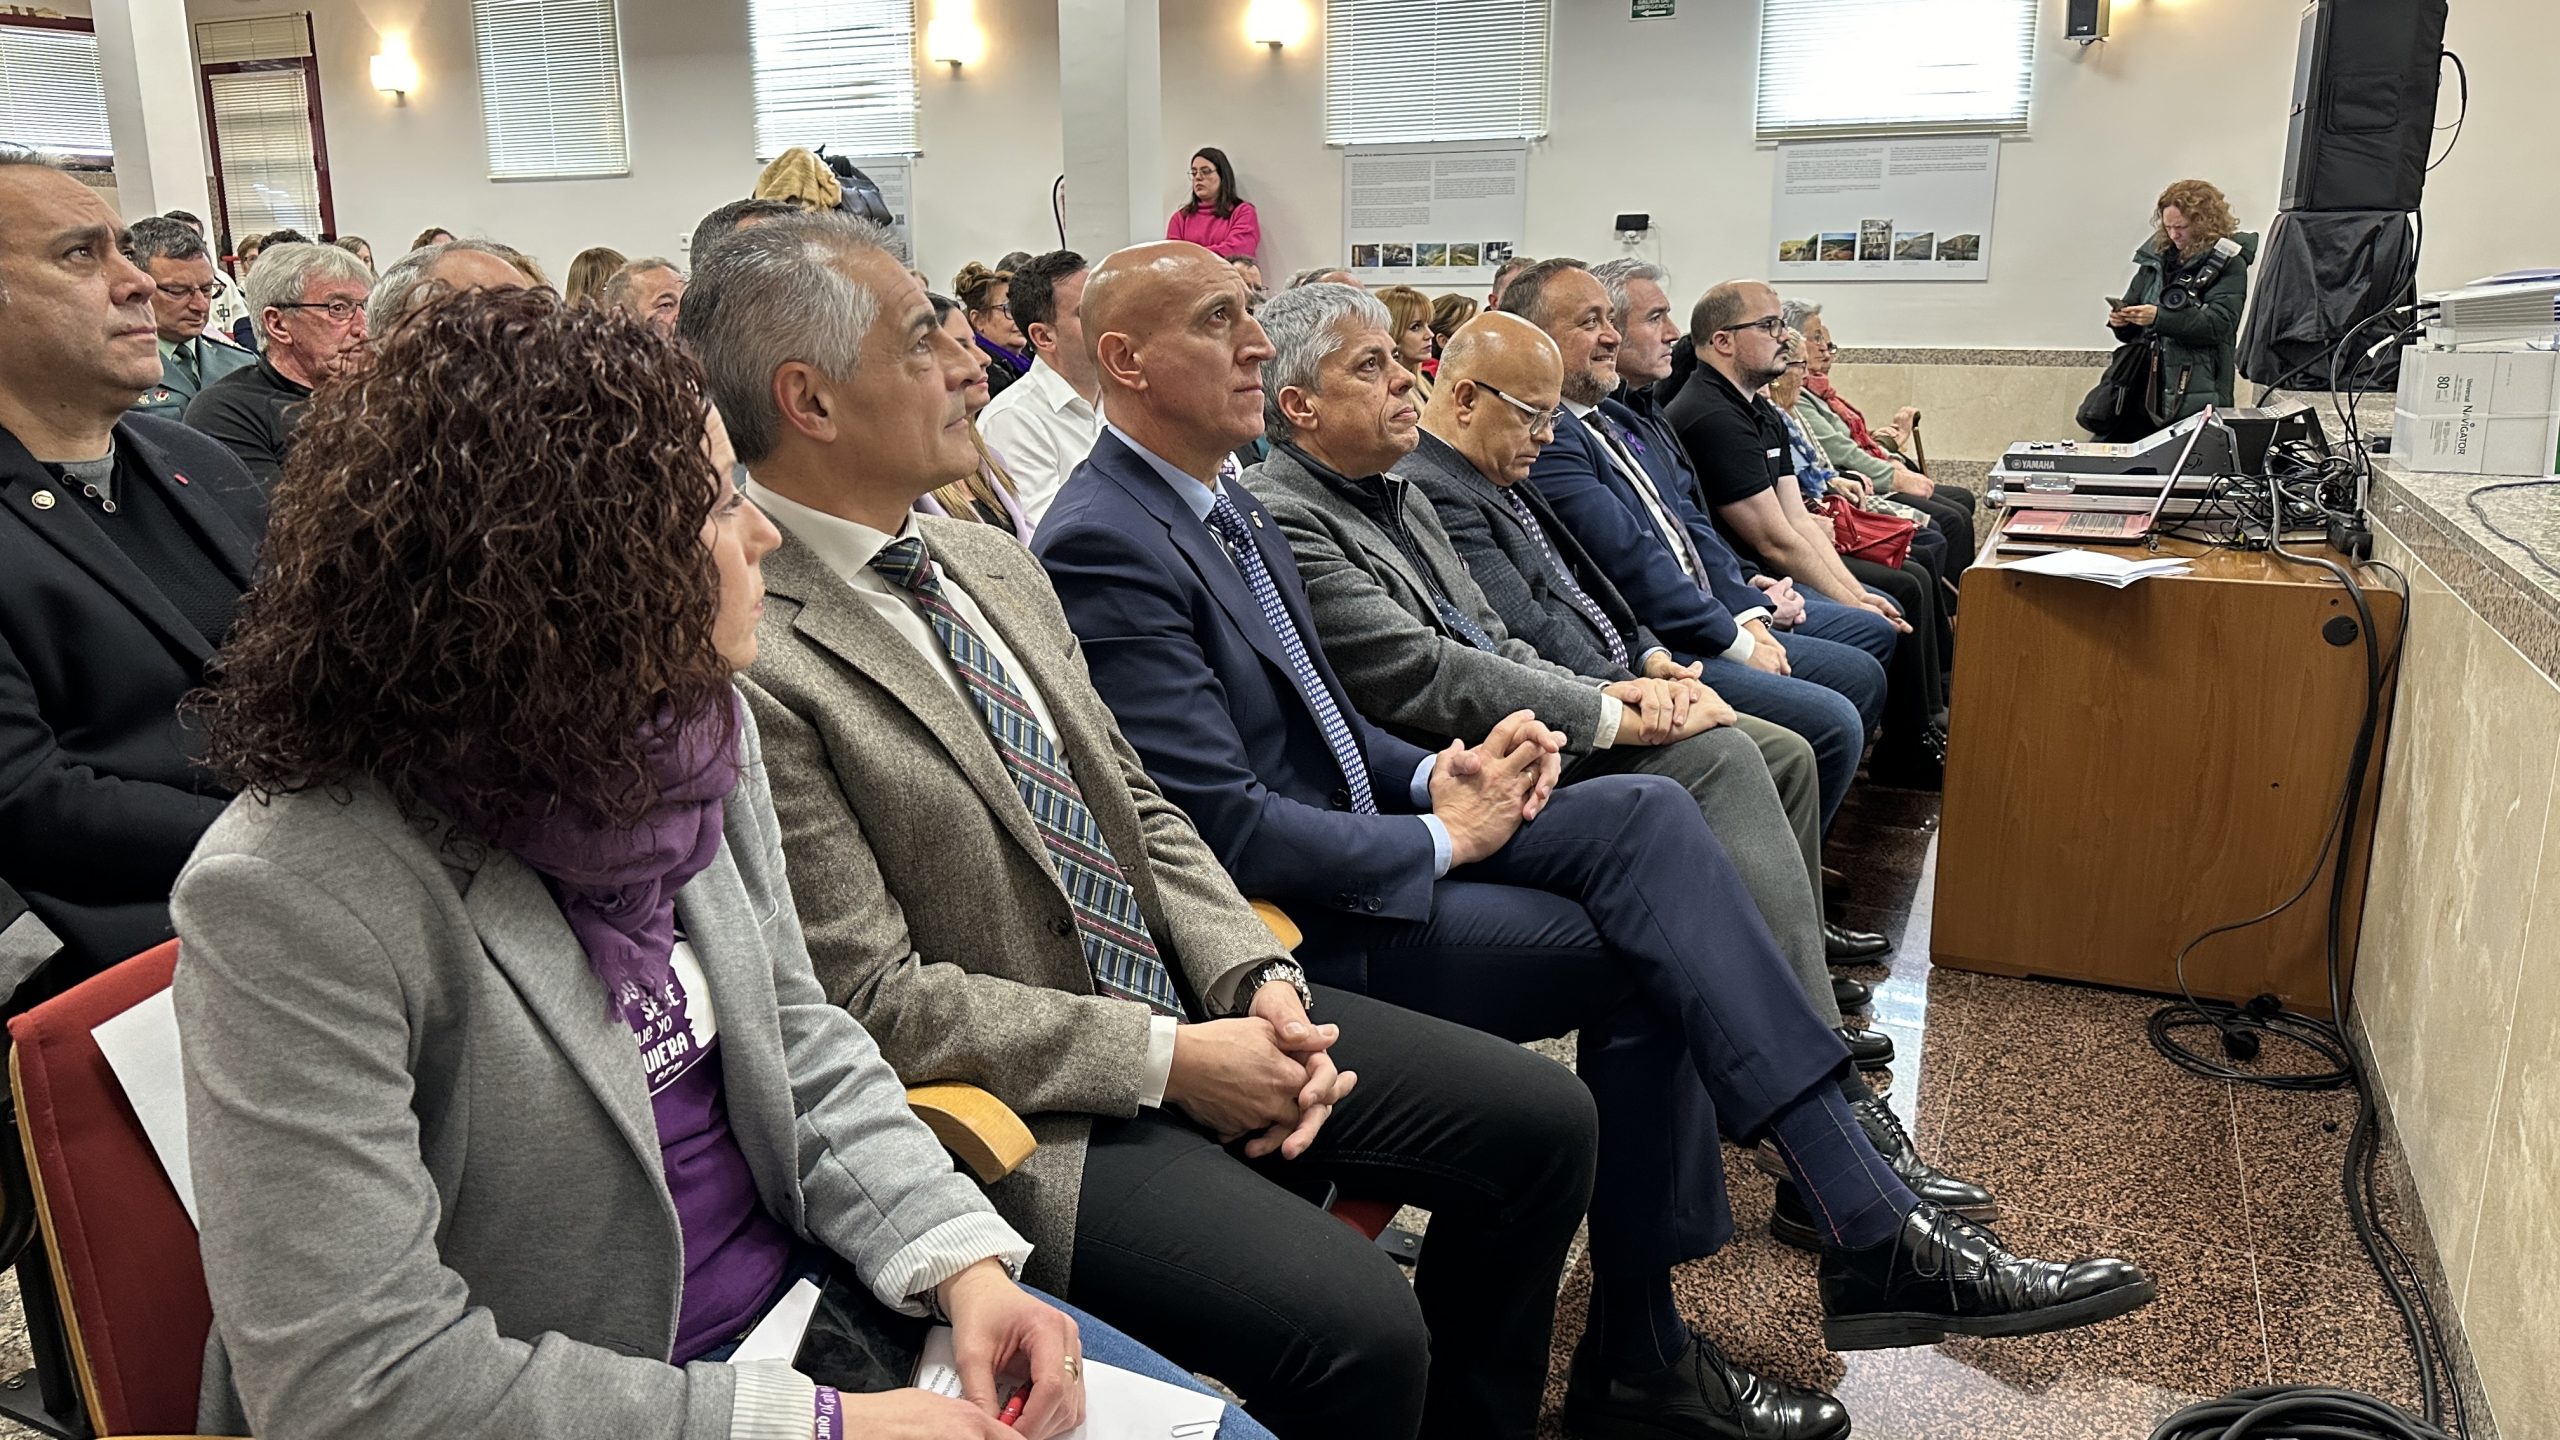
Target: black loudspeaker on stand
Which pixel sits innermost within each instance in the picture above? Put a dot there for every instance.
(2345, 249)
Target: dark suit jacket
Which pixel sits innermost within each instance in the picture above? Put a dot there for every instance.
(1659, 450)
(1508, 566)
(1588, 490)
(100, 796)
(1201, 687)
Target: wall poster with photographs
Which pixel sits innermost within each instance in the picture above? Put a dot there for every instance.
(1433, 216)
(1910, 209)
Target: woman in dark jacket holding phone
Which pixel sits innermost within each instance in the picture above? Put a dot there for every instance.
(2187, 296)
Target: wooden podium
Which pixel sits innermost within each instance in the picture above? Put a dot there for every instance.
(2128, 768)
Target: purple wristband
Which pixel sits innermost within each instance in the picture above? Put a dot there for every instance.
(830, 1424)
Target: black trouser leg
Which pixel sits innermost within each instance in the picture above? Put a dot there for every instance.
(1215, 1263)
(1915, 689)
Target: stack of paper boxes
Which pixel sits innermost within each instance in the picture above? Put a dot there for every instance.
(2478, 412)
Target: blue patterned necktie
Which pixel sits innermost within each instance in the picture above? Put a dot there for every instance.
(1573, 591)
(1228, 522)
(1622, 448)
(1116, 943)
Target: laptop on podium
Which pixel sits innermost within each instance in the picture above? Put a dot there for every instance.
(2098, 527)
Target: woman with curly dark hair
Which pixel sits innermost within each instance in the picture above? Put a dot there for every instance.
(2186, 297)
(513, 1101)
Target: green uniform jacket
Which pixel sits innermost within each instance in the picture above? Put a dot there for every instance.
(170, 397)
(2201, 341)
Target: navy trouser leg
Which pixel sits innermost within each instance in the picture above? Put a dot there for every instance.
(1615, 912)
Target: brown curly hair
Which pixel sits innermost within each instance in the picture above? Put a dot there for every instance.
(2207, 212)
(483, 576)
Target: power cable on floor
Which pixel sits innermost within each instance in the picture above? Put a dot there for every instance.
(2288, 1412)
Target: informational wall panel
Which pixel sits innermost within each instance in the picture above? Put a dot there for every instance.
(1909, 209)
(1433, 216)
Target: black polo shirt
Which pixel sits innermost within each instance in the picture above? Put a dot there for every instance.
(1738, 442)
(253, 412)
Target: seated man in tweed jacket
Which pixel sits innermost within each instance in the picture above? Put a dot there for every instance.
(991, 883)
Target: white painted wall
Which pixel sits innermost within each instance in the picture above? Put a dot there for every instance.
(1648, 115)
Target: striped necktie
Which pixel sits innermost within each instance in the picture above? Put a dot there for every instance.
(1675, 535)
(1573, 591)
(1117, 946)
(1228, 523)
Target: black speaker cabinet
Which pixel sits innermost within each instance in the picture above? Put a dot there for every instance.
(2084, 20)
(2364, 104)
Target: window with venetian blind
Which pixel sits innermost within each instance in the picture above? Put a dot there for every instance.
(262, 102)
(52, 96)
(837, 73)
(550, 88)
(1408, 70)
(1868, 67)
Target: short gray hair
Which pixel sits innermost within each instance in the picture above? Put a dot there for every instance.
(1616, 275)
(1796, 312)
(1307, 325)
(769, 295)
(158, 237)
(617, 286)
(396, 293)
(285, 273)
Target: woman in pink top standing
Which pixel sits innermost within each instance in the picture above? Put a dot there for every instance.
(1216, 216)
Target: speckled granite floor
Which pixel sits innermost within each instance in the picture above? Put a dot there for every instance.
(2051, 1095)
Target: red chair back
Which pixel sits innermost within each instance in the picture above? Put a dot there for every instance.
(122, 1250)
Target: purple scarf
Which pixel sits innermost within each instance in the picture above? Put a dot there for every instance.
(616, 885)
(1018, 362)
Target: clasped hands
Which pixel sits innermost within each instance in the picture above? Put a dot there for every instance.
(1669, 703)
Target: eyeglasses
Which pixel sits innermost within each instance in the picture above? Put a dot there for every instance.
(1542, 423)
(181, 292)
(1766, 325)
(341, 310)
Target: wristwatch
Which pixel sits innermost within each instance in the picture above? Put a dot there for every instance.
(1266, 972)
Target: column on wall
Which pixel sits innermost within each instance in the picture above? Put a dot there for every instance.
(150, 73)
(1111, 95)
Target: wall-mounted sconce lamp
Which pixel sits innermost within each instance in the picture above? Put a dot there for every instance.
(1275, 23)
(395, 74)
(953, 38)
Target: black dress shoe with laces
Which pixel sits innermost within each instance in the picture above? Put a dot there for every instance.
(1851, 994)
(1872, 1049)
(1840, 944)
(1791, 1221)
(1940, 1275)
(1703, 1396)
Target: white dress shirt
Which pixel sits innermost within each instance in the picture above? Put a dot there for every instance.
(1042, 430)
(846, 547)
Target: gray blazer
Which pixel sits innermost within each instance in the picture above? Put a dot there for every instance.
(428, 1169)
(1514, 574)
(930, 904)
(1384, 635)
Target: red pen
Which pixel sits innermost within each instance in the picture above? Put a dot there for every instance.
(1013, 1408)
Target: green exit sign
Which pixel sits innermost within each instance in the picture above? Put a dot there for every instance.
(1652, 9)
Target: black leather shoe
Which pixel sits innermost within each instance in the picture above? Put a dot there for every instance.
(1840, 944)
(1703, 1396)
(1912, 767)
(1940, 1276)
(1851, 994)
(1791, 1219)
(1872, 1049)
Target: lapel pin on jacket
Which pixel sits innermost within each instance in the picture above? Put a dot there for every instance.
(42, 500)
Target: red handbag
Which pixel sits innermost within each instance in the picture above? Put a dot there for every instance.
(1865, 535)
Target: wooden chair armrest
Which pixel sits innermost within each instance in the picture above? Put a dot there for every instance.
(979, 1130)
(1283, 929)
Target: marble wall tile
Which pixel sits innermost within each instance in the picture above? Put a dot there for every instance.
(1972, 411)
(2512, 1304)
(2459, 843)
